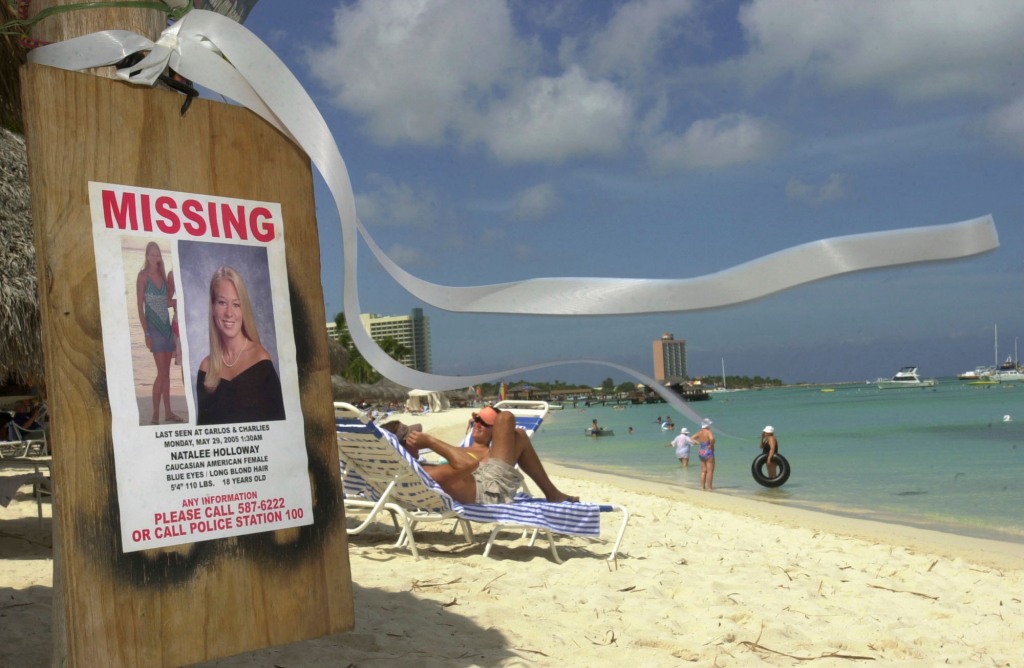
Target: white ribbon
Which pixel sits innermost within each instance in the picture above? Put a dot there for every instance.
(223, 56)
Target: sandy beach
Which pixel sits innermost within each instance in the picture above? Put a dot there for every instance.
(702, 579)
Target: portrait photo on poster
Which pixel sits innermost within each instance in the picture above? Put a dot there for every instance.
(231, 333)
(151, 301)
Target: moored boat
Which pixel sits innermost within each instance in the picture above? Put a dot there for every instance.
(976, 374)
(904, 378)
(1008, 372)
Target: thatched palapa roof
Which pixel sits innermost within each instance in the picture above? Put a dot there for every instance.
(21, 349)
(12, 56)
(383, 390)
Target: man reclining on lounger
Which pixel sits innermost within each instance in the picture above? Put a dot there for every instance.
(485, 471)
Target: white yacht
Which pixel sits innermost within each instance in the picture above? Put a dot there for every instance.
(1007, 372)
(976, 373)
(905, 377)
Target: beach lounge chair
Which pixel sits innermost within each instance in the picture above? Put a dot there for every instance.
(31, 439)
(373, 481)
(380, 475)
(12, 448)
(11, 484)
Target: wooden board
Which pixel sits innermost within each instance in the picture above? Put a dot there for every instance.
(207, 599)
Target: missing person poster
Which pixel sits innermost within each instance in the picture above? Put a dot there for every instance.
(200, 359)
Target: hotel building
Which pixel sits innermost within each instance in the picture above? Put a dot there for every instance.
(669, 358)
(411, 331)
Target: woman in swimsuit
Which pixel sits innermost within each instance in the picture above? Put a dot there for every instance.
(769, 446)
(705, 440)
(237, 381)
(153, 293)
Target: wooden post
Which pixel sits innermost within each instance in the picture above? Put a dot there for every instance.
(59, 27)
(65, 25)
(203, 600)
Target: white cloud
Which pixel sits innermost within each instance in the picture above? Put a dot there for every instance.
(630, 44)
(392, 203)
(433, 71)
(406, 256)
(551, 119)
(411, 68)
(1006, 124)
(835, 188)
(535, 202)
(429, 71)
(913, 49)
(731, 139)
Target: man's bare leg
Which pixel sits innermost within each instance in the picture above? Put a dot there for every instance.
(513, 447)
(455, 477)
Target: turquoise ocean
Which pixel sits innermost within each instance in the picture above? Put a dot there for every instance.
(943, 458)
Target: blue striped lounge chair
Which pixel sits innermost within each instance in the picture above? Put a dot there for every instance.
(379, 475)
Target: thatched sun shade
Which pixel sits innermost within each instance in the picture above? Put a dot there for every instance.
(21, 348)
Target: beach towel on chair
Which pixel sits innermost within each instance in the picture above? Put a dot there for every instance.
(375, 472)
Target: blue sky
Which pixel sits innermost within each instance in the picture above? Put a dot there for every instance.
(492, 141)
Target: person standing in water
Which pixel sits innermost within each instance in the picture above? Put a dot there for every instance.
(682, 444)
(705, 441)
(770, 446)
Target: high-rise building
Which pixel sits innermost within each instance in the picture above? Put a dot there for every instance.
(669, 358)
(411, 331)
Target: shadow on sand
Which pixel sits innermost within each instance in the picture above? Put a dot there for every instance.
(392, 628)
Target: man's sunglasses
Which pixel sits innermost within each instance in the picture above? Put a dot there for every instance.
(476, 418)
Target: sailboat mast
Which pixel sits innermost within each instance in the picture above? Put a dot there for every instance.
(995, 328)
(723, 374)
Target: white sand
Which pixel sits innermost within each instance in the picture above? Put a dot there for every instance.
(703, 579)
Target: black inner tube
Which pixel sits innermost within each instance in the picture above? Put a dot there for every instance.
(759, 469)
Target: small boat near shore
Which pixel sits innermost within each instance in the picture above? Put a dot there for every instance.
(905, 378)
(976, 374)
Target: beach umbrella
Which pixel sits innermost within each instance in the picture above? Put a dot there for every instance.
(384, 390)
(337, 357)
(466, 395)
(21, 348)
(346, 390)
(389, 390)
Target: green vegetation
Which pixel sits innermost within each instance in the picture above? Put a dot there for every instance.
(744, 382)
(357, 369)
(491, 389)
(609, 386)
